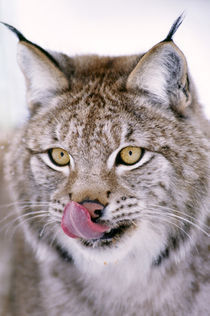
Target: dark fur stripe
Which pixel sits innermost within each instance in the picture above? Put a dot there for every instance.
(163, 255)
(172, 246)
(63, 253)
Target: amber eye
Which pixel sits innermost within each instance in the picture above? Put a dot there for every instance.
(129, 155)
(59, 156)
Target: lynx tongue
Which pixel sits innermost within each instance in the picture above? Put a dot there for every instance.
(77, 223)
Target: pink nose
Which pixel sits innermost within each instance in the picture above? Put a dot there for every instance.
(94, 208)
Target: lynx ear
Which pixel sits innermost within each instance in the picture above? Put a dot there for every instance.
(43, 77)
(162, 73)
(41, 71)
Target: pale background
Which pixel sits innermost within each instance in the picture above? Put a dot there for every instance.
(107, 27)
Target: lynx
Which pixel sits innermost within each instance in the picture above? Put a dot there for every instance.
(109, 187)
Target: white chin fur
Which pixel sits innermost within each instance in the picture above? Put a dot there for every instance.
(141, 244)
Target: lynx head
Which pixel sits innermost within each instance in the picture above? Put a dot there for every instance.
(113, 161)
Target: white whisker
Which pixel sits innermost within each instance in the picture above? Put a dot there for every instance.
(176, 211)
(180, 218)
(169, 222)
(22, 203)
(26, 220)
(19, 217)
(44, 227)
(54, 238)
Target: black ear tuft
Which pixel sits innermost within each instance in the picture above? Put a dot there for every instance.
(22, 38)
(174, 28)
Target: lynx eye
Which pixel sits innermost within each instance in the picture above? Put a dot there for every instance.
(59, 156)
(129, 155)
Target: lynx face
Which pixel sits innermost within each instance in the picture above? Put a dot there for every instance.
(110, 158)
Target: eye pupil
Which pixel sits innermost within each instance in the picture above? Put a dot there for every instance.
(62, 154)
(130, 153)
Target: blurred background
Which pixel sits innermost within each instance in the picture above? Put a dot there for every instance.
(104, 27)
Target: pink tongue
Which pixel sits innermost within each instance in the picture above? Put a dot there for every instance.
(76, 223)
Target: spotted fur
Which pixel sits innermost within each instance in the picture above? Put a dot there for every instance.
(154, 261)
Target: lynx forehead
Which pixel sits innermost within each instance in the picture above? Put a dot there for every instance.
(110, 175)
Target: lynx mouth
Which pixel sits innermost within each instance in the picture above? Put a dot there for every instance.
(112, 236)
(77, 223)
(116, 232)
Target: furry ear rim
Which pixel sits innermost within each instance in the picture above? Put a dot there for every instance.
(162, 73)
(43, 78)
(42, 73)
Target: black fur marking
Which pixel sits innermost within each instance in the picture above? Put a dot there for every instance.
(163, 255)
(63, 253)
(108, 194)
(174, 28)
(129, 133)
(22, 38)
(172, 246)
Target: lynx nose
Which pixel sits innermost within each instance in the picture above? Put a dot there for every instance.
(95, 208)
